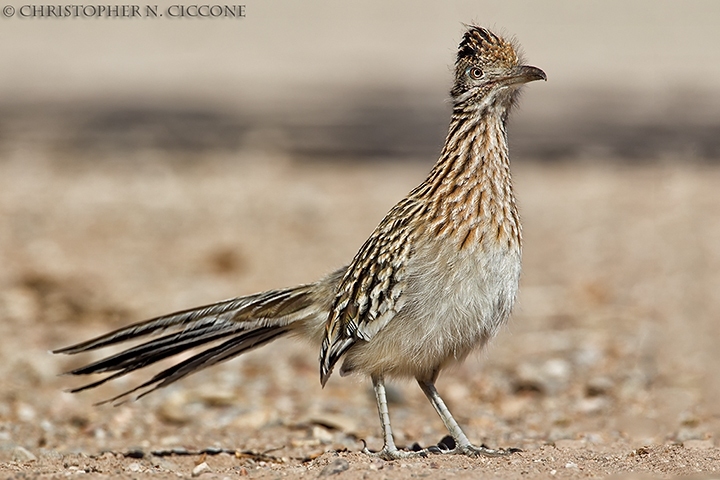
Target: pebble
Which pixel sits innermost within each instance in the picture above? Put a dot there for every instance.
(22, 455)
(334, 421)
(550, 377)
(173, 410)
(218, 397)
(379, 464)
(134, 452)
(165, 464)
(591, 405)
(134, 467)
(200, 469)
(50, 454)
(321, 434)
(26, 413)
(254, 419)
(338, 465)
(599, 386)
(171, 440)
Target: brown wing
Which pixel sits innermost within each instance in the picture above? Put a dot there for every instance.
(367, 297)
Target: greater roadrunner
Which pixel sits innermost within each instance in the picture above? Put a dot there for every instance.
(435, 280)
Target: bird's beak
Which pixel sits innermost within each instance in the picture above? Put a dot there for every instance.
(524, 74)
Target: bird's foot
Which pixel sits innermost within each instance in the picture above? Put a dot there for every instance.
(393, 453)
(448, 446)
(482, 451)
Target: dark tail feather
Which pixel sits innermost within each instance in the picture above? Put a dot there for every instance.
(272, 304)
(212, 356)
(153, 351)
(249, 322)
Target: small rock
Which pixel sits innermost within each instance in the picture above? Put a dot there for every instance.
(642, 451)
(217, 397)
(322, 434)
(596, 438)
(378, 464)
(174, 409)
(171, 440)
(255, 419)
(335, 422)
(200, 469)
(47, 426)
(134, 452)
(164, 463)
(50, 454)
(549, 377)
(685, 435)
(599, 386)
(134, 467)
(26, 413)
(592, 404)
(304, 442)
(22, 455)
(338, 465)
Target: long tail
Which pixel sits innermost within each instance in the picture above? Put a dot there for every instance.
(243, 323)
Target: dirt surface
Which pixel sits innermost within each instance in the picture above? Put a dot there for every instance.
(608, 367)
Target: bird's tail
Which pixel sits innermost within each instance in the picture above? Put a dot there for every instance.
(231, 328)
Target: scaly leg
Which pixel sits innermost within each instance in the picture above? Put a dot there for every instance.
(389, 450)
(462, 444)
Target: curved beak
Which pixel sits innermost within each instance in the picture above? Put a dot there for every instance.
(524, 74)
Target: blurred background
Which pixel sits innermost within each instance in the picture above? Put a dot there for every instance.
(634, 80)
(149, 165)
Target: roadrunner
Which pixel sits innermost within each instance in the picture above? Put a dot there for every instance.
(435, 280)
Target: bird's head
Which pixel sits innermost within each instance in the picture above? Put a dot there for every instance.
(489, 71)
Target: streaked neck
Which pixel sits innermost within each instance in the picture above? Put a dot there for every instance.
(468, 193)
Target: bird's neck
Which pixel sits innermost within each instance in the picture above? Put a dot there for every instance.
(469, 192)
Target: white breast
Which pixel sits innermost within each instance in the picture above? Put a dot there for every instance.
(453, 303)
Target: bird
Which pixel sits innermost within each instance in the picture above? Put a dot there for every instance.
(434, 282)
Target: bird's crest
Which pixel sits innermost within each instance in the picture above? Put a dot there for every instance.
(480, 46)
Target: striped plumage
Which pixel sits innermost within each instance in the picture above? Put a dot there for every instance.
(433, 282)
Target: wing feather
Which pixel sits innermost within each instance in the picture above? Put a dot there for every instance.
(367, 297)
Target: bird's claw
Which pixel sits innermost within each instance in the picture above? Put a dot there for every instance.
(396, 454)
(448, 445)
(393, 453)
(467, 450)
(481, 451)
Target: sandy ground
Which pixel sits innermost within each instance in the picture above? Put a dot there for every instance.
(608, 367)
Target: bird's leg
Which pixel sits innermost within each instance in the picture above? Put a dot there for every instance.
(389, 450)
(462, 444)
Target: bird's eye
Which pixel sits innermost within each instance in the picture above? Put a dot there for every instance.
(475, 73)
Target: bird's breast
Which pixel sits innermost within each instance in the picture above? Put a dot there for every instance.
(453, 302)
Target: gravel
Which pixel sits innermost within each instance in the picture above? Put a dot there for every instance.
(607, 367)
